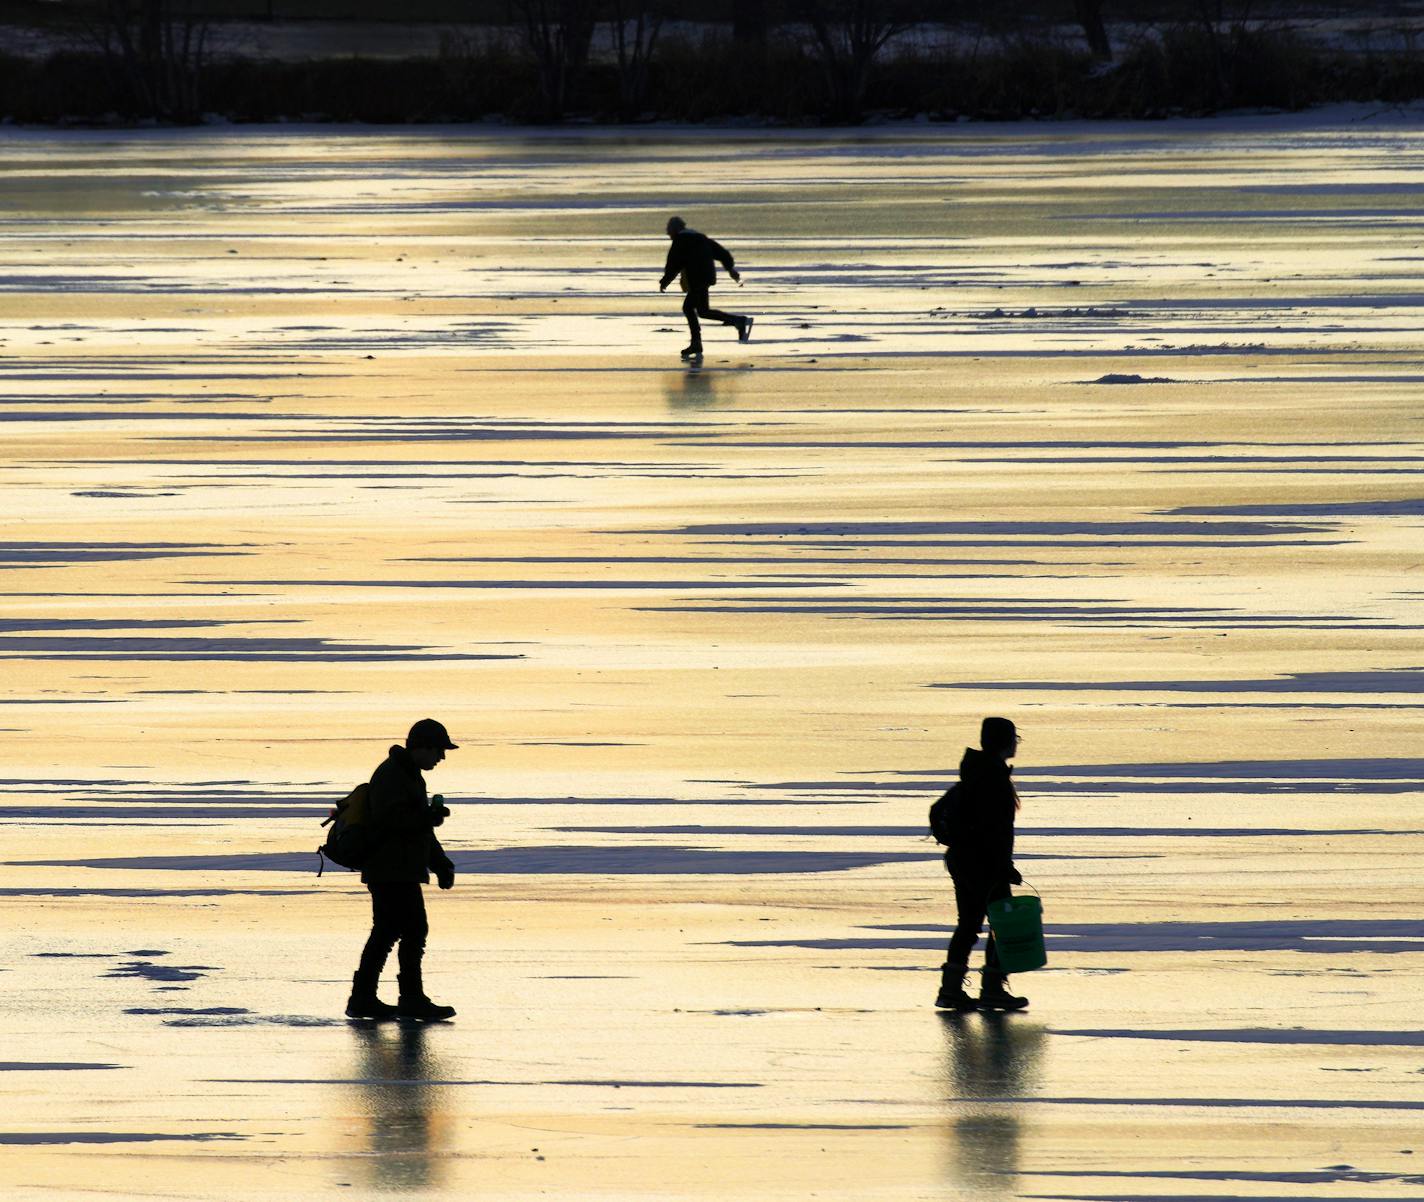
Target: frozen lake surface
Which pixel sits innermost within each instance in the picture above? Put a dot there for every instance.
(1114, 430)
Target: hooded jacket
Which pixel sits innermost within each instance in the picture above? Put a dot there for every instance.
(695, 256)
(405, 848)
(991, 801)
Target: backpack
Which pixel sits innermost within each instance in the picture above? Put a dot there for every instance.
(949, 817)
(348, 843)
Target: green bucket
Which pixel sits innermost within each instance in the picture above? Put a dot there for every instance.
(1017, 923)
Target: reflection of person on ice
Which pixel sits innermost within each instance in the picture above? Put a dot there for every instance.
(694, 256)
(980, 860)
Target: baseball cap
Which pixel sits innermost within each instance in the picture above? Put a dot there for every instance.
(429, 733)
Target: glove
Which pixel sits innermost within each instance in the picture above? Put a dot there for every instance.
(445, 877)
(438, 814)
(1015, 876)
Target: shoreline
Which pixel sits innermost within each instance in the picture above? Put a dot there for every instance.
(1325, 116)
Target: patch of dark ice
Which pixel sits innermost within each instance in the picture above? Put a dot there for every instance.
(1004, 543)
(138, 811)
(12, 625)
(48, 554)
(62, 700)
(1292, 1035)
(585, 585)
(1244, 461)
(874, 530)
(125, 415)
(110, 1137)
(1362, 768)
(1320, 936)
(123, 496)
(1325, 1176)
(1222, 776)
(912, 609)
(1392, 219)
(235, 649)
(78, 955)
(149, 971)
(53, 1066)
(1358, 187)
(1410, 507)
(186, 1010)
(1096, 1197)
(1215, 1104)
(1245, 788)
(244, 1018)
(1380, 680)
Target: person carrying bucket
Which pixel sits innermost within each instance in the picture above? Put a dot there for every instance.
(977, 824)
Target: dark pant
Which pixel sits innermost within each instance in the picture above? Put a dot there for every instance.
(698, 303)
(972, 894)
(397, 916)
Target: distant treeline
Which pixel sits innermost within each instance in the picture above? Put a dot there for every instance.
(797, 61)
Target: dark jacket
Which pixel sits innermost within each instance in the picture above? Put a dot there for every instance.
(405, 850)
(987, 849)
(695, 256)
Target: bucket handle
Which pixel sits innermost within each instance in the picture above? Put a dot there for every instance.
(1022, 881)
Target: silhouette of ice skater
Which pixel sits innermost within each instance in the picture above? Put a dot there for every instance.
(693, 257)
(403, 854)
(980, 860)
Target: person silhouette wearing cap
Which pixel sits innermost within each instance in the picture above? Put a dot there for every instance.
(981, 863)
(694, 257)
(404, 853)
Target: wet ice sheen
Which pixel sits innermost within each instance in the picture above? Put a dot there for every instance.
(711, 642)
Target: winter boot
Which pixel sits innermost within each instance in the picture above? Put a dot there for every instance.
(414, 1004)
(363, 1002)
(994, 996)
(951, 988)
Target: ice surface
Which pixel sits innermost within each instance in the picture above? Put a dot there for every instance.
(1112, 429)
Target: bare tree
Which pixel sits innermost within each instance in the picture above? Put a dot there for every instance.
(636, 25)
(1223, 24)
(1090, 17)
(557, 34)
(158, 49)
(849, 35)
